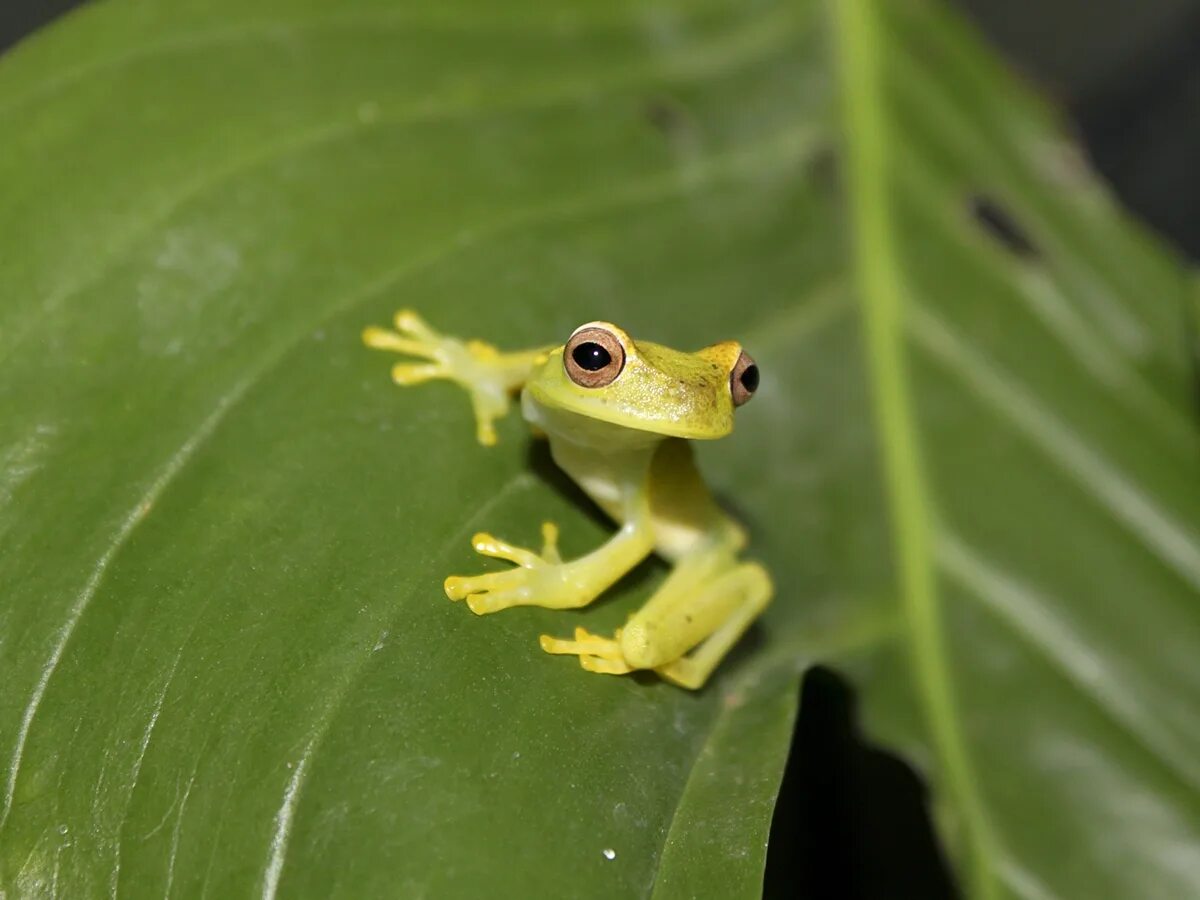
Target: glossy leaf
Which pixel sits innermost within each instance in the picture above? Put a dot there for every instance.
(227, 663)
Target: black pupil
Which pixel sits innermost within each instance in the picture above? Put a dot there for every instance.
(750, 378)
(591, 357)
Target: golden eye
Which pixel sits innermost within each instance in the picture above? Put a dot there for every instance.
(593, 357)
(743, 380)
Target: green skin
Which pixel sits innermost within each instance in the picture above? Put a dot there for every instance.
(626, 445)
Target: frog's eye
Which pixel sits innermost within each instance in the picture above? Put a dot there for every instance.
(593, 357)
(743, 380)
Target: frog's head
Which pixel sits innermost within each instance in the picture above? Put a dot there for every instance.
(601, 373)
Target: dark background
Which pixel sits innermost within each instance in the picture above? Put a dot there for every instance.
(851, 821)
(1128, 72)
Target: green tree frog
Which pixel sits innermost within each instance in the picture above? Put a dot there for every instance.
(618, 414)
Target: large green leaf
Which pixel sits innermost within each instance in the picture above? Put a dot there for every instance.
(226, 660)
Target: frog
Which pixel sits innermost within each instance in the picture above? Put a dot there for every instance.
(620, 416)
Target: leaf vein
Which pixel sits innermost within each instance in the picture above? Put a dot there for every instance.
(175, 832)
(740, 51)
(283, 823)
(1173, 543)
(125, 530)
(285, 816)
(280, 31)
(1031, 619)
(143, 747)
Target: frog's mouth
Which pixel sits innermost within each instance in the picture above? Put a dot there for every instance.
(615, 423)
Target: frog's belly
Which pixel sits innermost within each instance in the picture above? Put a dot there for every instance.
(678, 531)
(623, 470)
(603, 491)
(672, 539)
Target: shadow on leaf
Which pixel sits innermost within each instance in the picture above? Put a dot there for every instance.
(852, 820)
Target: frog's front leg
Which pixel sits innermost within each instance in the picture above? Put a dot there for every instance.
(544, 579)
(489, 376)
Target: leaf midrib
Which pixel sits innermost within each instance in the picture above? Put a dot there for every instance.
(882, 295)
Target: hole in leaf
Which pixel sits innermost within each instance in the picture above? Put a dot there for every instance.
(1191, 337)
(667, 115)
(1002, 226)
(852, 820)
(823, 169)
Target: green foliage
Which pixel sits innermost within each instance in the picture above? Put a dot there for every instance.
(227, 662)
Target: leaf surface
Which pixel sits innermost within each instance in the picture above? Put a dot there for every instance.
(227, 663)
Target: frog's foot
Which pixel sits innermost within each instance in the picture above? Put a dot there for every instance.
(596, 654)
(585, 644)
(487, 375)
(538, 580)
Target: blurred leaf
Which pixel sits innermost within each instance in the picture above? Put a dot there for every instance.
(227, 663)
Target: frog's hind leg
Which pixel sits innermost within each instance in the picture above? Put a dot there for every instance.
(596, 653)
(749, 591)
(709, 617)
(601, 654)
(709, 600)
